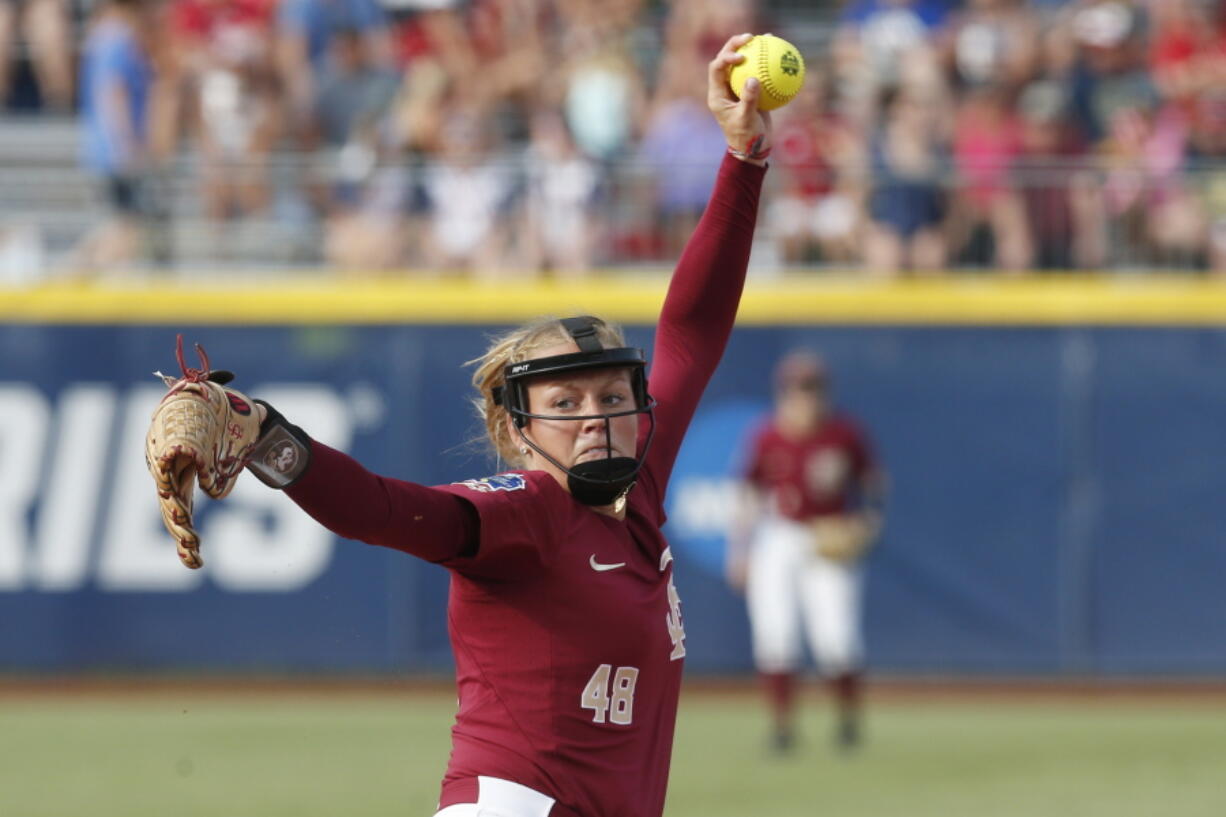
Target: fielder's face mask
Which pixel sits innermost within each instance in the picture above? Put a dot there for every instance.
(593, 482)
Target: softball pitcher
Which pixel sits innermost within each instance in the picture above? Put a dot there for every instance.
(564, 619)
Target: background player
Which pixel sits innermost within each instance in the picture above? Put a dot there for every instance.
(812, 503)
(564, 620)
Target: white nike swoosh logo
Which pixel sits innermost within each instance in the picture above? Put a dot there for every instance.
(599, 568)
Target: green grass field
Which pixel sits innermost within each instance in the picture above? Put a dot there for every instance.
(192, 754)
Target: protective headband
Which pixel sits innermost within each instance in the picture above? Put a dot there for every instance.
(600, 481)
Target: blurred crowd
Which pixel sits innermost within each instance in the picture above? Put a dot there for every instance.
(529, 137)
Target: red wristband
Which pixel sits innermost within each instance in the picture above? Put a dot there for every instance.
(752, 151)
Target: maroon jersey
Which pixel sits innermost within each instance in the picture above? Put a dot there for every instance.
(565, 622)
(815, 475)
(568, 642)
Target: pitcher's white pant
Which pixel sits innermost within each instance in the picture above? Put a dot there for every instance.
(789, 583)
(502, 798)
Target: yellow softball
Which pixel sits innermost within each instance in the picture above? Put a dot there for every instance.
(776, 63)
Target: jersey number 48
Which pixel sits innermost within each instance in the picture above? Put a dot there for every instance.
(612, 700)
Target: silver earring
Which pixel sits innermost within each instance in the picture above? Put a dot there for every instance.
(523, 449)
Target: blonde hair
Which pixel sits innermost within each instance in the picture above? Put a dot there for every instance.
(514, 346)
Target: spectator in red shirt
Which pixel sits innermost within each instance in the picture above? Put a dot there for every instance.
(988, 205)
(227, 92)
(814, 216)
(1187, 54)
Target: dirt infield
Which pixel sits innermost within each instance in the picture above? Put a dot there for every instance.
(882, 689)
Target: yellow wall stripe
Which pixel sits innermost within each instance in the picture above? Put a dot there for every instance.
(989, 301)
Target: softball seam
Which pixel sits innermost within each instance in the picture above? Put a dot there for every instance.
(764, 75)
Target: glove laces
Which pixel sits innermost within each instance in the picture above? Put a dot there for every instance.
(189, 374)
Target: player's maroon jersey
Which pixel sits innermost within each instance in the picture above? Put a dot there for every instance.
(565, 622)
(815, 475)
(568, 642)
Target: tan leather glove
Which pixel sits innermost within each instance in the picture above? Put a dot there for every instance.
(844, 537)
(201, 432)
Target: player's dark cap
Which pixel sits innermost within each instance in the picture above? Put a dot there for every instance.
(801, 369)
(595, 482)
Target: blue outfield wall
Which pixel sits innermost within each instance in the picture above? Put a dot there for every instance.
(1056, 499)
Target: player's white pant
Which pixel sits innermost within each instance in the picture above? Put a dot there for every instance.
(790, 584)
(502, 798)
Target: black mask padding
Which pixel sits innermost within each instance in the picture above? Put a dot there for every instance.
(599, 482)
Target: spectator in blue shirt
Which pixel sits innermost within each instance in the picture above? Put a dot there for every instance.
(306, 29)
(116, 79)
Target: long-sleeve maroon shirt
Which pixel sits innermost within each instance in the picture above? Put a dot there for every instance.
(565, 623)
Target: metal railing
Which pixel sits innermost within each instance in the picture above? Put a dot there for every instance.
(510, 213)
